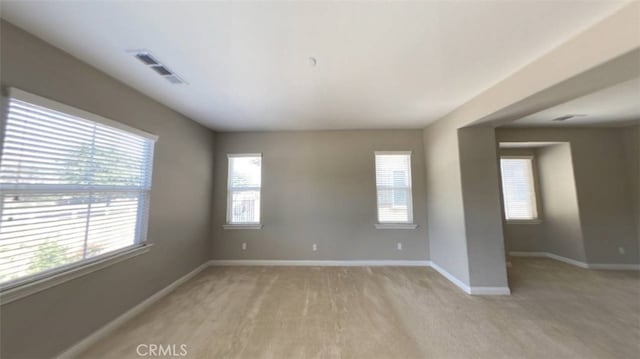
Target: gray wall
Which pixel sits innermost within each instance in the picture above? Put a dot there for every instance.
(445, 209)
(561, 220)
(528, 237)
(463, 202)
(46, 323)
(604, 186)
(632, 147)
(319, 187)
(482, 206)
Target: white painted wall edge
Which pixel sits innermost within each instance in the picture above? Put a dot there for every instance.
(93, 338)
(603, 266)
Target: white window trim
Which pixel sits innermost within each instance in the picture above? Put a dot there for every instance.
(524, 221)
(396, 225)
(410, 153)
(518, 157)
(242, 225)
(26, 286)
(80, 114)
(536, 219)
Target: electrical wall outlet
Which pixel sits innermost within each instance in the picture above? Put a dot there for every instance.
(244, 246)
(621, 250)
(399, 246)
(314, 247)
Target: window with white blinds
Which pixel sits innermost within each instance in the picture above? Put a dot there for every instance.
(393, 183)
(243, 188)
(74, 187)
(518, 188)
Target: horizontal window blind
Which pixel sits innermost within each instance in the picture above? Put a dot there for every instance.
(393, 182)
(71, 189)
(518, 189)
(244, 185)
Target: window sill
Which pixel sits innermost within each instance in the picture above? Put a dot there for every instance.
(242, 226)
(524, 221)
(396, 226)
(18, 290)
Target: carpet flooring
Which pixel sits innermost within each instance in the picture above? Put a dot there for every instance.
(555, 311)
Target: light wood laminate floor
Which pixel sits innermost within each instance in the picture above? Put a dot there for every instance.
(556, 310)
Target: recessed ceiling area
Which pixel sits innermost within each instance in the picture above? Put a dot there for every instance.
(538, 144)
(617, 105)
(376, 65)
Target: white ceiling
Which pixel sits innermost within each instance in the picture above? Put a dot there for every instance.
(380, 64)
(617, 105)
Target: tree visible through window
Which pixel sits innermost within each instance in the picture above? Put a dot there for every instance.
(399, 194)
(243, 197)
(72, 186)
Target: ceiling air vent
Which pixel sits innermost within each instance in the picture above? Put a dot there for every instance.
(161, 70)
(566, 117)
(174, 80)
(151, 61)
(146, 59)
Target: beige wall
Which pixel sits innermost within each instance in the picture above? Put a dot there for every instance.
(463, 203)
(632, 147)
(319, 187)
(46, 323)
(445, 209)
(561, 220)
(604, 187)
(528, 237)
(482, 207)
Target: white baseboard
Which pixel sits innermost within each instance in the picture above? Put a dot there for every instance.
(451, 278)
(613, 266)
(93, 338)
(319, 263)
(528, 254)
(603, 266)
(490, 291)
(571, 261)
(574, 262)
(471, 289)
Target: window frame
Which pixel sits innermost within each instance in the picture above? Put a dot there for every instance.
(409, 224)
(534, 187)
(229, 212)
(29, 284)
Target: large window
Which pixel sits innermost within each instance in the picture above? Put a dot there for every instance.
(243, 189)
(74, 188)
(393, 182)
(518, 188)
